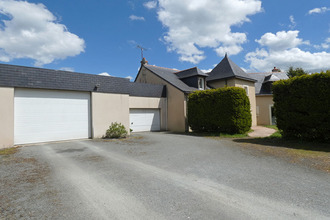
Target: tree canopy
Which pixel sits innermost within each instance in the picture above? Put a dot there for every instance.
(292, 72)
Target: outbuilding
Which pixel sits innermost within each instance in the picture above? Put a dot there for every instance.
(41, 105)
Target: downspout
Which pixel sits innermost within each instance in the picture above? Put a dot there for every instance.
(166, 115)
(186, 112)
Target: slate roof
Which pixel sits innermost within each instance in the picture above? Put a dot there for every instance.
(190, 72)
(39, 78)
(263, 78)
(228, 69)
(169, 76)
(146, 90)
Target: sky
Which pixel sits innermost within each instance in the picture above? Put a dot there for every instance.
(101, 37)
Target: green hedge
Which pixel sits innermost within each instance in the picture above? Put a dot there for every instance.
(302, 106)
(224, 110)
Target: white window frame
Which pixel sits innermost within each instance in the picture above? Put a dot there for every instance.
(202, 80)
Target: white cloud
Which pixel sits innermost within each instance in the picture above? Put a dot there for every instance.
(31, 31)
(129, 77)
(325, 45)
(293, 22)
(230, 50)
(150, 4)
(104, 74)
(281, 40)
(136, 18)
(195, 24)
(69, 69)
(207, 71)
(318, 10)
(281, 49)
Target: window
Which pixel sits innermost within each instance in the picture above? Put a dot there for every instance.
(201, 83)
(246, 88)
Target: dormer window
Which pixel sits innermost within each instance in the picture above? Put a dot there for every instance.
(201, 84)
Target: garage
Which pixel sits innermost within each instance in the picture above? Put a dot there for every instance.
(144, 120)
(50, 115)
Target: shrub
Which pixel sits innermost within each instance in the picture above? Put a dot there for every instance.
(116, 130)
(224, 110)
(302, 106)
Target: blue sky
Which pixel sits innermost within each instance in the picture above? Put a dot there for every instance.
(101, 36)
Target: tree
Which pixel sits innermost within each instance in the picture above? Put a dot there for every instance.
(327, 72)
(296, 72)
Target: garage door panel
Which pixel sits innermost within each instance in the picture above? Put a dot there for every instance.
(144, 120)
(46, 115)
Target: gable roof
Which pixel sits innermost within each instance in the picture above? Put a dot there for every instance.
(169, 76)
(228, 69)
(190, 72)
(39, 78)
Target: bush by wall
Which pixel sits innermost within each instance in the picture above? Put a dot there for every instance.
(224, 110)
(302, 106)
(116, 130)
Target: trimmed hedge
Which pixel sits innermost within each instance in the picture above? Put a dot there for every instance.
(224, 110)
(302, 106)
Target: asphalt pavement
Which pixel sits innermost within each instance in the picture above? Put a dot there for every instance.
(157, 176)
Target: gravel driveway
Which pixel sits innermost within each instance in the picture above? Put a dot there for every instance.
(157, 176)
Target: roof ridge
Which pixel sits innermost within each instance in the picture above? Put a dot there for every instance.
(260, 73)
(162, 67)
(186, 69)
(48, 69)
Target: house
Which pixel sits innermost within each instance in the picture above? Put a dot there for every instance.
(264, 96)
(227, 73)
(180, 83)
(41, 105)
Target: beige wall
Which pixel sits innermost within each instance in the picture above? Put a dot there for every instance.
(263, 102)
(176, 111)
(222, 83)
(151, 103)
(108, 108)
(252, 97)
(6, 117)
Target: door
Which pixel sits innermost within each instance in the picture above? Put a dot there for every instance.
(50, 115)
(144, 120)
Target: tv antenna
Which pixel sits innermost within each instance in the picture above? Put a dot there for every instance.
(142, 49)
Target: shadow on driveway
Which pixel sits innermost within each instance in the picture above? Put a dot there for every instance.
(280, 142)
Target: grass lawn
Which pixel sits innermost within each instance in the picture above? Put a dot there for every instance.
(312, 154)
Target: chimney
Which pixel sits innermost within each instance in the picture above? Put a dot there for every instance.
(144, 61)
(275, 70)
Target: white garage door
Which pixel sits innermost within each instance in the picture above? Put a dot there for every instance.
(144, 120)
(50, 115)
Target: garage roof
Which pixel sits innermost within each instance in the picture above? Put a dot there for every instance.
(39, 78)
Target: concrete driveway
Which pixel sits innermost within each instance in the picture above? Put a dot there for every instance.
(157, 176)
